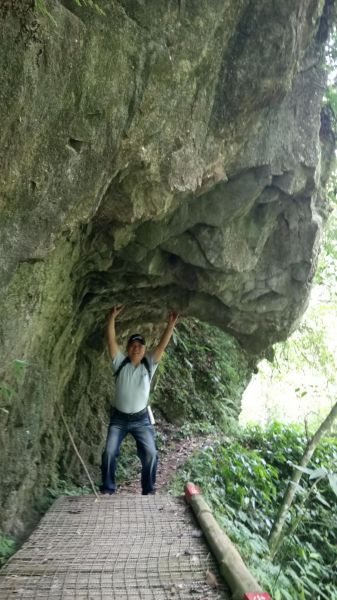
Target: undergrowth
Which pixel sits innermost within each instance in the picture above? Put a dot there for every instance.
(7, 547)
(67, 488)
(244, 482)
(201, 377)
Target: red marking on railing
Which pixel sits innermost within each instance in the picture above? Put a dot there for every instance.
(191, 490)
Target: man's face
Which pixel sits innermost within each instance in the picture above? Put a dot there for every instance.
(136, 351)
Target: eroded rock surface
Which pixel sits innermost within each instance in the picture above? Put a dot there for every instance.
(160, 155)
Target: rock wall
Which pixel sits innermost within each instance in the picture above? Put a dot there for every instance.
(163, 155)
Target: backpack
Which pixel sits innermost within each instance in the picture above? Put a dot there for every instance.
(126, 360)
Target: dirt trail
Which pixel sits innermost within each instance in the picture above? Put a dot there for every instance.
(176, 454)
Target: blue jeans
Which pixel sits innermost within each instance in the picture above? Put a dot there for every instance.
(140, 428)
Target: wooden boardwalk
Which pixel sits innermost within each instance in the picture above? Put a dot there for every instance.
(123, 546)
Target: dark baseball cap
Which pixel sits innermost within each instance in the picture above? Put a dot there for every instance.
(136, 337)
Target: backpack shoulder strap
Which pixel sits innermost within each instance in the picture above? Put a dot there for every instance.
(146, 364)
(124, 362)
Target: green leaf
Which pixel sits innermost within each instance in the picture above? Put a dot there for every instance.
(303, 469)
(21, 362)
(20, 365)
(322, 499)
(317, 473)
(332, 477)
(6, 391)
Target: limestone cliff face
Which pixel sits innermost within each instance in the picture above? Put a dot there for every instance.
(162, 154)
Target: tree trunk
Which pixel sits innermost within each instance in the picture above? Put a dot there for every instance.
(278, 526)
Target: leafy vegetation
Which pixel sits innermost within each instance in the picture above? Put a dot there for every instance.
(331, 67)
(244, 482)
(202, 377)
(7, 547)
(66, 488)
(9, 384)
(327, 268)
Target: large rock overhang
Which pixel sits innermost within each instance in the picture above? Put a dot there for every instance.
(178, 146)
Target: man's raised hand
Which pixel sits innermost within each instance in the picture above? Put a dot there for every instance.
(116, 310)
(165, 338)
(173, 318)
(112, 342)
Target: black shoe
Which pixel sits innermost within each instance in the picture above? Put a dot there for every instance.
(149, 493)
(105, 491)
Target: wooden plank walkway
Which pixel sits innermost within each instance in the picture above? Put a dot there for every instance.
(120, 546)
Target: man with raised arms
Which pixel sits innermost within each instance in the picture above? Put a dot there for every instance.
(133, 374)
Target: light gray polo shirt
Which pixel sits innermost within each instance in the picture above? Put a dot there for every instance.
(133, 384)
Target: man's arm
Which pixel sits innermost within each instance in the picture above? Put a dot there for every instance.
(112, 342)
(165, 338)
